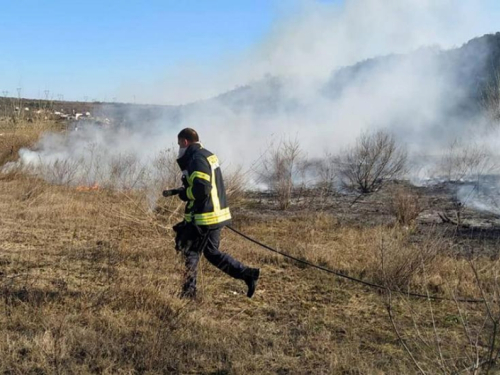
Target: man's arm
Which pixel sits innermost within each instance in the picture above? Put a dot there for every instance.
(199, 180)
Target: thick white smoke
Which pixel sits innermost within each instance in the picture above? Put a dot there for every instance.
(318, 37)
(290, 94)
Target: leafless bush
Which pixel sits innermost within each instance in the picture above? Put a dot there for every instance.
(165, 168)
(62, 172)
(405, 206)
(127, 172)
(490, 293)
(466, 161)
(480, 350)
(373, 159)
(400, 263)
(235, 182)
(326, 170)
(491, 99)
(280, 169)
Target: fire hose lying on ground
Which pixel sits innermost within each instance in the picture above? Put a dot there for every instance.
(173, 192)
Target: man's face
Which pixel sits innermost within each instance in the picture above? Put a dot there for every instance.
(183, 143)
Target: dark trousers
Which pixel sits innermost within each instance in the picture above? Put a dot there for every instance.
(210, 248)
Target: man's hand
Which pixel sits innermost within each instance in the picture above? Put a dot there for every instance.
(172, 192)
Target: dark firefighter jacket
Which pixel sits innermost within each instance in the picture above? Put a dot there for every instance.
(203, 188)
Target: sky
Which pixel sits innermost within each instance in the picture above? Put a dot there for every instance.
(155, 51)
(89, 48)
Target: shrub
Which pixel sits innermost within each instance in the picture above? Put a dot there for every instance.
(280, 169)
(235, 182)
(405, 206)
(491, 99)
(466, 161)
(374, 158)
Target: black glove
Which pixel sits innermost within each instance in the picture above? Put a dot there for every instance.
(187, 236)
(172, 192)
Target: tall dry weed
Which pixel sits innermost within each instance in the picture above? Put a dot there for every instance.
(405, 206)
(279, 170)
(235, 182)
(401, 263)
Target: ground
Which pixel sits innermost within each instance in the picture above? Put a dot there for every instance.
(90, 279)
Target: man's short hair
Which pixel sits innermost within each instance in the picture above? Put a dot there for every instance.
(189, 134)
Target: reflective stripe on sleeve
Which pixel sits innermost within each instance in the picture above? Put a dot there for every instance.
(189, 193)
(197, 174)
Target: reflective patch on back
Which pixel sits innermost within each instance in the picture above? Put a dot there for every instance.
(214, 161)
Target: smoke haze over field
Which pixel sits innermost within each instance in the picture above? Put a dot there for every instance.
(321, 36)
(297, 90)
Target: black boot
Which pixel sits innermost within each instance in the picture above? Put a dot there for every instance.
(188, 294)
(188, 290)
(251, 275)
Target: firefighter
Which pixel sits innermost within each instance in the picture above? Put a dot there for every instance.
(206, 213)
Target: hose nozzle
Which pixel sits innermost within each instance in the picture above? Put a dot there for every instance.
(172, 192)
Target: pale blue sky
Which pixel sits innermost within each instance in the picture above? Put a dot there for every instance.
(103, 49)
(88, 48)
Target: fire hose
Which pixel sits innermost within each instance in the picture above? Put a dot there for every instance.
(172, 192)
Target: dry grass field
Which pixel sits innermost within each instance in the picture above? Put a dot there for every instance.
(89, 283)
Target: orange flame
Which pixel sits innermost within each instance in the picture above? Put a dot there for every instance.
(88, 188)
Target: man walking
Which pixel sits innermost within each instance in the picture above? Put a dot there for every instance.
(206, 211)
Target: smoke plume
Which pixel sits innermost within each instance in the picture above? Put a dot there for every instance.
(324, 73)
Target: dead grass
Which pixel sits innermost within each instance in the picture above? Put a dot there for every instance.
(89, 284)
(13, 138)
(406, 206)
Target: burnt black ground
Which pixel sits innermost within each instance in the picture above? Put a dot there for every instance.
(477, 235)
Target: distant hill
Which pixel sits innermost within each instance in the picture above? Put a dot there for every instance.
(469, 68)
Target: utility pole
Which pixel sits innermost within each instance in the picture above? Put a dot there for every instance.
(5, 94)
(19, 89)
(46, 104)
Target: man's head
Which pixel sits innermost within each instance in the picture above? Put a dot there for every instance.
(187, 137)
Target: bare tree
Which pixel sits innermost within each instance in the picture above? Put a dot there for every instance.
(374, 158)
(491, 99)
(235, 181)
(280, 169)
(466, 161)
(326, 172)
(473, 163)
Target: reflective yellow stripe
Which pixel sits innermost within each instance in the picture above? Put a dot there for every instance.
(196, 174)
(189, 193)
(209, 218)
(212, 217)
(214, 193)
(214, 161)
(213, 221)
